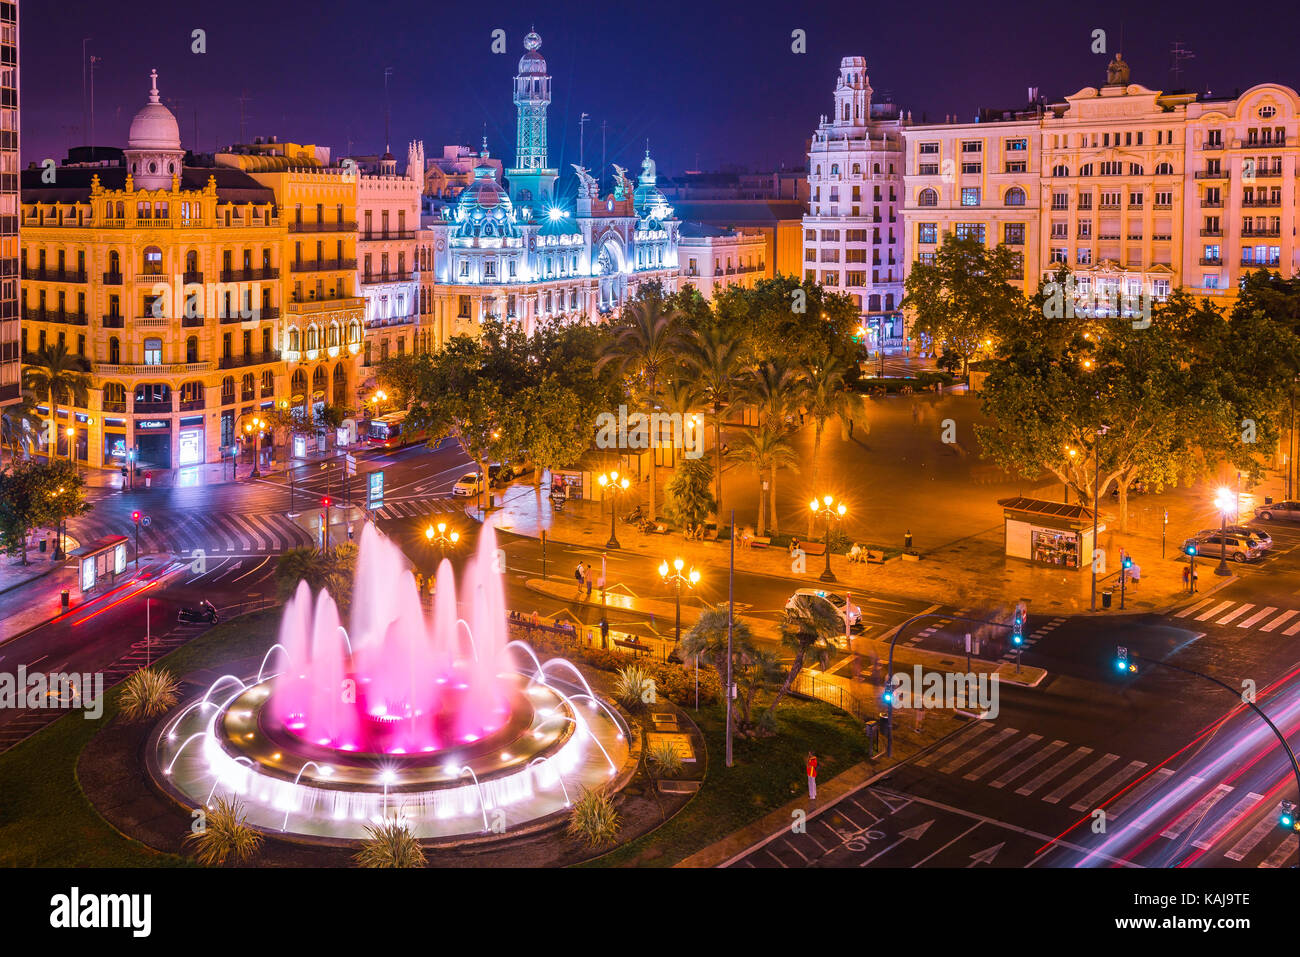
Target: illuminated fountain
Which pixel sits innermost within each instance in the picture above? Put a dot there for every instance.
(444, 723)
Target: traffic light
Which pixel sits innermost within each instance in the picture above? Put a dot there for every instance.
(1128, 562)
(1018, 628)
(1122, 664)
(1287, 817)
(325, 501)
(1190, 548)
(135, 517)
(888, 696)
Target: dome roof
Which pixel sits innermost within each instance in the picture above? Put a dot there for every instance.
(532, 62)
(484, 207)
(154, 127)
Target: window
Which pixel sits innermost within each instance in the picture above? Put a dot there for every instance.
(927, 233)
(970, 196)
(972, 167)
(970, 231)
(972, 146)
(1013, 234)
(1135, 200)
(1017, 145)
(1084, 257)
(1085, 200)
(1015, 196)
(1061, 201)
(1017, 167)
(929, 149)
(153, 352)
(927, 197)
(1164, 200)
(927, 169)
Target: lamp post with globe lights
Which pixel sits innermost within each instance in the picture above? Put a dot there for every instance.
(615, 483)
(676, 577)
(440, 536)
(827, 508)
(254, 429)
(1223, 501)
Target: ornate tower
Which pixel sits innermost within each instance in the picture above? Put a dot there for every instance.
(153, 153)
(532, 180)
(852, 93)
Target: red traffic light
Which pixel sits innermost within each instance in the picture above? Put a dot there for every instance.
(326, 501)
(135, 517)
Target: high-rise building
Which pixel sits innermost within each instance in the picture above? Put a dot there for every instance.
(10, 356)
(853, 231)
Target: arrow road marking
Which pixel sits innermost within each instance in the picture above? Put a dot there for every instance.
(986, 856)
(911, 834)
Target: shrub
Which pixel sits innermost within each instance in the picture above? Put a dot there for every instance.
(390, 844)
(667, 757)
(147, 693)
(632, 687)
(593, 819)
(226, 832)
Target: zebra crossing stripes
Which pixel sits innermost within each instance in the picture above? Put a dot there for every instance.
(957, 741)
(1239, 811)
(1109, 786)
(1221, 606)
(416, 508)
(1031, 639)
(1267, 619)
(1285, 616)
(986, 744)
(1238, 612)
(1031, 762)
(1257, 617)
(1252, 837)
(1044, 776)
(1196, 812)
(1086, 774)
(1281, 853)
(1137, 792)
(224, 532)
(1027, 741)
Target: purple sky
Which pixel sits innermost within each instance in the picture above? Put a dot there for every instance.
(708, 83)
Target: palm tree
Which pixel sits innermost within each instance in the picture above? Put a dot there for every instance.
(768, 450)
(808, 625)
(61, 377)
(20, 423)
(826, 398)
(718, 360)
(775, 391)
(707, 639)
(646, 343)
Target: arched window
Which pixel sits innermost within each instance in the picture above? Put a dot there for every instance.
(354, 332)
(1085, 169)
(299, 383)
(1015, 196)
(192, 261)
(192, 349)
(268, 383)
(313, 340)
(1135, 169)
(927, 197)
(857, 169)
(1164, 169)
(333, 334)
(293, 339)
(114, 351)
(228, 390)
(114, 262)
(319, 379)
(1061, 170)
(889, 300)
(152, 264)
(246, 387)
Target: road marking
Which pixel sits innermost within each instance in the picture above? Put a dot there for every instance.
(1292, 630)
(1196, 813)
(1254, 836)
(1289, 613)
(1226, 619)
(1280, 853)
(1101, 764)
(1249, 622)
(1191, 608)
(1089, 801)
(1047, 774)
(1026, 742)
(1221, 606)
(978, 750)
(1038, 757)
(1239, 811)
(1133, 794)
(949, 844)
(1140, 822)
(958, 739)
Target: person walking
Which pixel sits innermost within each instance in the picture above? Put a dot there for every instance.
(1187, 579)
(590, 579)
(812, 776)
(577, 574)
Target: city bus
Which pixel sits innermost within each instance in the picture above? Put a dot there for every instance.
(391, 432)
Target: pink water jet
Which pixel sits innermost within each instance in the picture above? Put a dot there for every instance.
(396, 682)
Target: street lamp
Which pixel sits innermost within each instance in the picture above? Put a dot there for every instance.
(1223, 501)
(441, 537)
(826, 507)
(616, 484)
(673, 575)
(253, 432)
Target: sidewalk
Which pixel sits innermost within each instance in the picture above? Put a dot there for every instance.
(208, 473)
(14, 574)
(962, 571)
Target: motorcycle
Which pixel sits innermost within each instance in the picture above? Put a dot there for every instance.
(206, 612)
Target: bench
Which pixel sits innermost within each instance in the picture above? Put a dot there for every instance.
(710, 534)
(636, 647)
(658, 529)
(870, 556)
(814, 548)
(763, 542)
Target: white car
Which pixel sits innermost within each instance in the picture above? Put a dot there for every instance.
(471, 483)
(847, 612)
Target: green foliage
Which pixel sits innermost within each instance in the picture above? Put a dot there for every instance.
(226, 833)
(768, 450)
(666, 759)
(809, 625)
(148, 693)
(593, 820)
(332, 570)
(634, 688)
(61, 377)
(689, 499)
(390, 844)
(766, 321)
(968, 294)
(36, 494)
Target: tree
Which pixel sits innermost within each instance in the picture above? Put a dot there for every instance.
(688, 499)
(645, 346)
(61, 377)
(827, 398)
(717, 361)
(809, 625)
(35, 494)
(331, 570)
(767, 449)
(21, 425)
(775, 391)
(707, 639)
(789, 319)
(967, 295)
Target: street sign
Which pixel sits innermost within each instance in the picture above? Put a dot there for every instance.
(375, 489)
(145, 521)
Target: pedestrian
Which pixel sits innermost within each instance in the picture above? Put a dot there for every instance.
(1195, 575)
(533, 623)
(812, 776)
(604, 633)
(1187, 578)
(590, 579)
(794, 547)
(850, 428)
(577, 574)
(919, 719)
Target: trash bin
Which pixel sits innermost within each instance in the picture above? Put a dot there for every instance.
(1105, 598)
(882, 720)
(63, 598)
(43, 544)
(872, 730)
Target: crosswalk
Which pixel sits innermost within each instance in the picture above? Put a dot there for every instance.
(1061, 774)
(418, 508)
(212, 533)
(1243, 615)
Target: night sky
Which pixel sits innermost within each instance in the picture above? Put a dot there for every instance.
(709, 83)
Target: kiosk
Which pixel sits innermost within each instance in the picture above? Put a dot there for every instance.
(1048, 533)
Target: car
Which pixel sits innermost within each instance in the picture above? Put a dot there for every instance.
(503, 473)
(844, 609)
(1240, 548)
(1264, 539)
(471, 483)
(1279, 511)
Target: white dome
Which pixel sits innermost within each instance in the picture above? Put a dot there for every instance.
(154, 127)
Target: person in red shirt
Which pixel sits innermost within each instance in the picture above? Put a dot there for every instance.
(812, 776)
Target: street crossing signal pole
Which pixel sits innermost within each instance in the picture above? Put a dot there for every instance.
(135, 517)
(731, 614)
(325, 520)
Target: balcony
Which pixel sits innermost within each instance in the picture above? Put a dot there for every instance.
(112, 279)
(1216, 146)
(192, 277)
(55, 315)
(1261, 203)
(1260, 263)
(336, 227)
(1211, 174)
(300, 307)
(382, 235)
(191, 405)
(1211, 260)
(1211, 232)
(1266, 172)
(55, 275)
(110, 405)
(112, 322)
(390, 276)
(151, 408)
(1211, 204)
(1261, 233)
(324, 265)
(192, 322)
(249, 359)
(151, 276)
(259, 315)
(249, 275)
